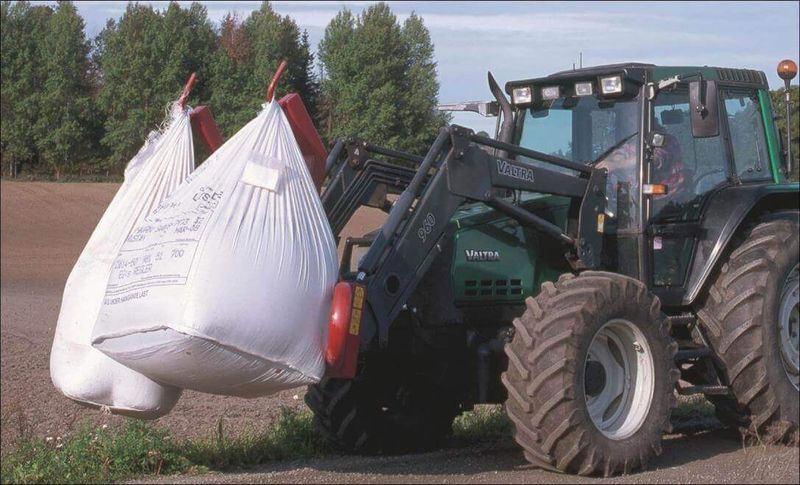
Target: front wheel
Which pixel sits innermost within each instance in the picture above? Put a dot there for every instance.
(591, 375)
(377, 413)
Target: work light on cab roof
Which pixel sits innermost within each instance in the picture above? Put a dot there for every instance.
(611, 85)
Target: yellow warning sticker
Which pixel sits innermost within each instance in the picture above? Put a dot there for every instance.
(355, 321)
(358, 297)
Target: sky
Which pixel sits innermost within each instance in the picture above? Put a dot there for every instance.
(519, 40)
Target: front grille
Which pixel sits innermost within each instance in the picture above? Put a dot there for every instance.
(488, 287)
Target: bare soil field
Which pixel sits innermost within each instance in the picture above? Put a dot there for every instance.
(43, 229)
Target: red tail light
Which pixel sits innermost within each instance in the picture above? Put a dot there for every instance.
(344, 325)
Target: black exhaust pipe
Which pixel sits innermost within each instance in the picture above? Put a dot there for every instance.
(507, 126)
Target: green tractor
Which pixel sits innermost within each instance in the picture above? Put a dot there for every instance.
(627, 233)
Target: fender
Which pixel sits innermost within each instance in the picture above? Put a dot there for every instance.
(725, 212)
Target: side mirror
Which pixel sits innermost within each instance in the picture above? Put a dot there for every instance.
(704, 108)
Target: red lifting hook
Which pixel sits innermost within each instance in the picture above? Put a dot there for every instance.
(187, 88)
(275, 79)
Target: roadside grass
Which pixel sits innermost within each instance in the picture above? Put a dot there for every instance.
(95, 455)
(695, 406)
(482, 424)
(139, 449)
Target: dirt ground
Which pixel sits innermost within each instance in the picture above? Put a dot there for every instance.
(43, 229)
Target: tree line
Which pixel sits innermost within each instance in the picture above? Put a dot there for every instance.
(72, 105)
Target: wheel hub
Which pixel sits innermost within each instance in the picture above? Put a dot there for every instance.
(595, 378)
(619, 379)
(789, 325)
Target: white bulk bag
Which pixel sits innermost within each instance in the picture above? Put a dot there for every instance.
(226, 287)
(79, 371)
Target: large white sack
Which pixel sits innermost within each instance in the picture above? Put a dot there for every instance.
(79, 371)
(226, 287)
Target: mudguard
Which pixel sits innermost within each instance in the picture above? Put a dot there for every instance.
(724, 215)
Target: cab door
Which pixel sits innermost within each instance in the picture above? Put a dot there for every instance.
(691, 169)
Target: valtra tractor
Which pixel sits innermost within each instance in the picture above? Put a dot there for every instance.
(628, 233)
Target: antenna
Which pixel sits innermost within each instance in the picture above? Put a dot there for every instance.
(581, 59)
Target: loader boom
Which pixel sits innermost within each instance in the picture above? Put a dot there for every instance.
(457, 169)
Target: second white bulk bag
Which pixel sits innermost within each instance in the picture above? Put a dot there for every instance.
(226, 287)
(79, 371)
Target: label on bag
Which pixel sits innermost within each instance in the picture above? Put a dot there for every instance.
(263, 172)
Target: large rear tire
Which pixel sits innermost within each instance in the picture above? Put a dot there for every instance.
(591, 375)
(750, 317)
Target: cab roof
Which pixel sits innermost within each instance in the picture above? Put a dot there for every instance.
(640, 73)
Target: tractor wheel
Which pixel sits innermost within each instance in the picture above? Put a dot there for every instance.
(366, 415)
(751, 318)
(591, 375)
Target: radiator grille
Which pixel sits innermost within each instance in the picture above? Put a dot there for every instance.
(490, 287)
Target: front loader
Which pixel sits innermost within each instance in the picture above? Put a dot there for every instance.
(628, 233)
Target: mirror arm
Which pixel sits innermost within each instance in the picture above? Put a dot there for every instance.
(654, 88)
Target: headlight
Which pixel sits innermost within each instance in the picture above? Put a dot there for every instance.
(611, 84)
(551, 92)
(521, 95)
(583, 89)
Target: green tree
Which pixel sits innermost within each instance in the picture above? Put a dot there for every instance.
(422, 87)
(145, 59)
(379, 80)
(231, 69)
(779, 105)
(61, 130)
(22, 79)
(337, 63)
(248, 54)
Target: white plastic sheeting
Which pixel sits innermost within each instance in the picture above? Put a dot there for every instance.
(79, 371)
(226, 287)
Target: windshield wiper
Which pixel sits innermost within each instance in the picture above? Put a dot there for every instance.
(614, 147)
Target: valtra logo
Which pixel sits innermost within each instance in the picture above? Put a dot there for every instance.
(521, 173)
(481, 255)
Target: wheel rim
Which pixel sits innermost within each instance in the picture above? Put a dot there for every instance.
(619, 379)
(789, 325)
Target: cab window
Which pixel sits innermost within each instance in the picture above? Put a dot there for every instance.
(690, 167)
(748, 140)
(591, 130)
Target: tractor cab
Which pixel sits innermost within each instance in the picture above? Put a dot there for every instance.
(670, 137)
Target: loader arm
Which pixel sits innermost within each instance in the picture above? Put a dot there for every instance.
(456, 170)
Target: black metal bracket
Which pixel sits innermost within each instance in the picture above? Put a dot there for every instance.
(456, 169)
